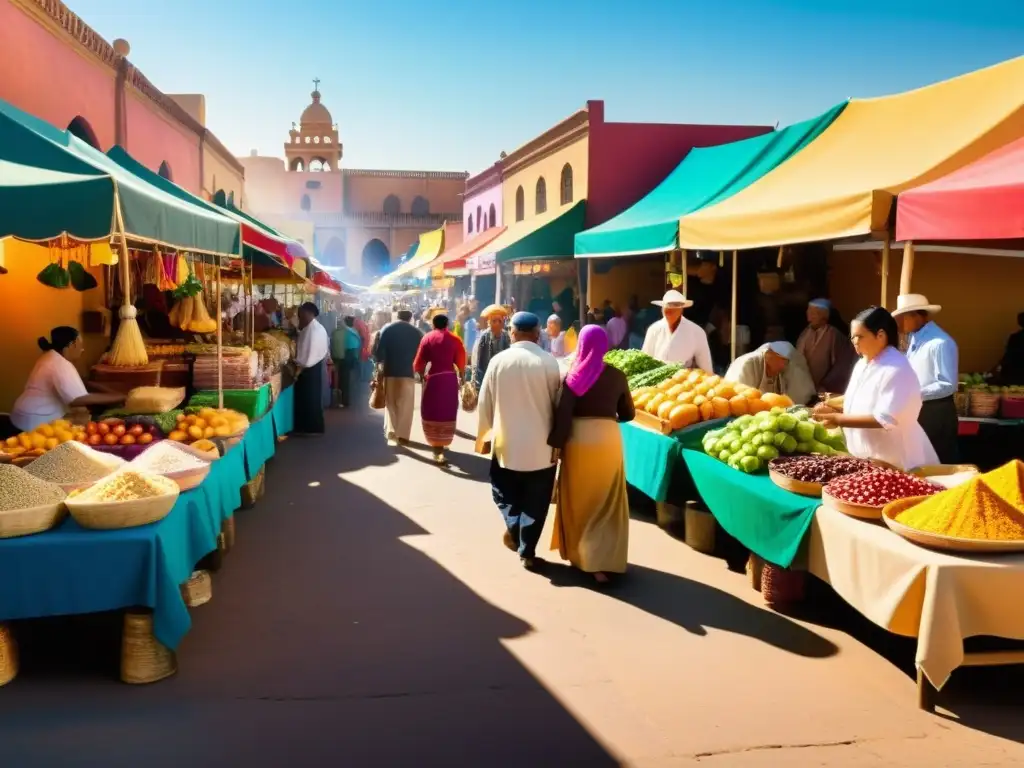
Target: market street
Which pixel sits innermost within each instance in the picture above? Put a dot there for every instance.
(369, 616)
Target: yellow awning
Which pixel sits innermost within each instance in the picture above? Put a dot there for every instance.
(429, 247)
(843, 184)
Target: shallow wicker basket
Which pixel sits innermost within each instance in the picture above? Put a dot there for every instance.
(143, 658)
(938, 540)
(800, 487)
(699, 528)
(24, 522)
(8, 655)
(861, 511)
(782, 586)
(107, 515)
(198, 590)
(984, 405)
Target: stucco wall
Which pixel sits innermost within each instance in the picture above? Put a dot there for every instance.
(482, 200)
(154, 139)
(270, 189)
(550, 167)
(366, 194)
(217, 175)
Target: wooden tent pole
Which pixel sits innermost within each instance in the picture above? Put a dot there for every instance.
(685, 264)
(220, 338)
(907, 269)
(886, 249)
(735, 284)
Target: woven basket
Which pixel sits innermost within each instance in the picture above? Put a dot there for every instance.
(700, 528)
(984, 405)
(8, 655)
(143, 658)
(108, 515)
(781, 586)
(962, 400)
(755, 569)
(670, 518)
(252, 491)
(22, 522)
(228, 529)
(198, 590)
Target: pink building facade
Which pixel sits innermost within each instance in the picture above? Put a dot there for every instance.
(482, 204)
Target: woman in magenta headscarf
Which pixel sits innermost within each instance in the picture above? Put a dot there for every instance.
(592, 517)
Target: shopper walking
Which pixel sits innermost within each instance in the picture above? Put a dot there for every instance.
(395, 352)
(441, 361)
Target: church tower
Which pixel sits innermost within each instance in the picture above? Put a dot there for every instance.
(314, 145)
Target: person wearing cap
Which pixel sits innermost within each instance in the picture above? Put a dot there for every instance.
(490, 342)
(775, 367)
(674, 339)
(935, 358)
(515, 413)
(826, 347)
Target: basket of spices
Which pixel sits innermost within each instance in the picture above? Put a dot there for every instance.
(74, 466)
(177, 462)
(27, 504)
(125, 499)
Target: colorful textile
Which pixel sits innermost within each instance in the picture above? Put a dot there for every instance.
(589, 360)
(440, 353)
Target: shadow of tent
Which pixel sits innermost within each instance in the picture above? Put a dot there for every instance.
(329, 642)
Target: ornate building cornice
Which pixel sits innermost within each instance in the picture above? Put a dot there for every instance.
(486, 179)
(430, 175)
(570, 130)
(92, 42)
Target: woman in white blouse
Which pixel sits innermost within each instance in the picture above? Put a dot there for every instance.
(883, 398)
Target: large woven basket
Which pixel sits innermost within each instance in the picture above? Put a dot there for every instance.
(107, 515)
(228, 530)
(8, 655)
(143, 658)
(700, 528)
(984, 405)
(198, 590)
(782, 586)
(23, 522)
(252, 491)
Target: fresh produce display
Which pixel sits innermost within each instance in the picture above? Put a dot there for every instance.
(111, 432)
(877, 487)
(42, 439)
(817, 469)
(748, 443)
(73, 463)
(654, 376)
(989, 507)
(206, 423)
(21, 490)
(166, 457)
(631, 361)
(127, 485)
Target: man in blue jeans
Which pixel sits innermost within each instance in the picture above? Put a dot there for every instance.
(345, 346)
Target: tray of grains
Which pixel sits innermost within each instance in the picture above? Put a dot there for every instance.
(864, 494)
(807, 475)
(177, 462)
(74, 466)
(985, 514)
(27, 504)
(125, 499)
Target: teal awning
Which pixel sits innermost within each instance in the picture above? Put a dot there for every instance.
(35, 204)
(706, 176)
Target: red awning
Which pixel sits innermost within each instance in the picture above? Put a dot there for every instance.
(455, 258)
(981, 201)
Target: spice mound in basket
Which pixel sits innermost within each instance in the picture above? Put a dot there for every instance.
(877, 487)
(817, 469)
(990, 507)
(126, 485)
(74, 464)
(175, 461)
(20, 490)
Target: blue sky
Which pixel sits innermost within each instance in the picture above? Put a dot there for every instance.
(448, 84)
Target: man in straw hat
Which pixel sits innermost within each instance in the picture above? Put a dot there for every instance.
(490, 342)
(934, 357)
(674, 339)
(516, 411)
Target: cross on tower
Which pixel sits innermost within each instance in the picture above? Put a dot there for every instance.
(316, 83)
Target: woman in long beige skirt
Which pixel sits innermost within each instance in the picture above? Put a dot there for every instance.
(592, 514)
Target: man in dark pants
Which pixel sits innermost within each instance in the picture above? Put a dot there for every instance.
(345, 346)
(516, 410)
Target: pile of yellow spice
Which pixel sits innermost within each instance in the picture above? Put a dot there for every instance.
(990, 508)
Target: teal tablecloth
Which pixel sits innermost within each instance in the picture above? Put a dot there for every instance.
(652, 458)
(767, 520)
(259, 444)
(283, 412)
(72, 570)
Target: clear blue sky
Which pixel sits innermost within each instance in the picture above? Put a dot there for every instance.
(448, 84)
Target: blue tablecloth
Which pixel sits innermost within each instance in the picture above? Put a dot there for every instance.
(259, 444)
(283, 412)
(73, 570)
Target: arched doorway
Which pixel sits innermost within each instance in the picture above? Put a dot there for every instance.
(165, 171)
(219, 198)
(376, 259)
(334, 253)
(80, 128)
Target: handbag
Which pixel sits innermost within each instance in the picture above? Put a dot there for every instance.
(377, 398)
(469, 397)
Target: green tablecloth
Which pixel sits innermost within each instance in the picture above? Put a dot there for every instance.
(769, 521)
(652, 458)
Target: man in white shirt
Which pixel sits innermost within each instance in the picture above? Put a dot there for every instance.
(674, 339)
(311, 350)
(516, 408)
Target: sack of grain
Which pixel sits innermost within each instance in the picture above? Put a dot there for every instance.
(154, 399)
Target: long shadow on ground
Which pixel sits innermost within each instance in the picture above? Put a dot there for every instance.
(329, 642)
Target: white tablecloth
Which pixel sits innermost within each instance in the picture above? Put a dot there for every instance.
(939, 598)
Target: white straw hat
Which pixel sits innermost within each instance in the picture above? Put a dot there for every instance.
(673, 299)
(914, 302)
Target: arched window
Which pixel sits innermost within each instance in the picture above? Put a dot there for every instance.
(541, 204)
(298, 165)
(420, 206)
(480, 223)
(231, 198)
(492, 217)
(305, 203)
(566, 196)
(80, 127)
(470, 224)
(392, 206)
(520, 204)
(316, 165)
(165, 171)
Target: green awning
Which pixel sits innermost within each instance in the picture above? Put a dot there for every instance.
(706, 176)
(149, 213)
(547, 237)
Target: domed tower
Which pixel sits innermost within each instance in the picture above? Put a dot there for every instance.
(314, 145)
